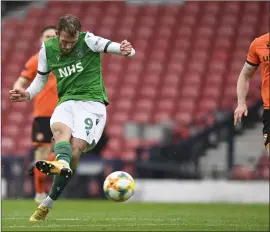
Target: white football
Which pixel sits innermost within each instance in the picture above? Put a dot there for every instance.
(119, 186)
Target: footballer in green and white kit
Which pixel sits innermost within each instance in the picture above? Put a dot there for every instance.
(80, 116)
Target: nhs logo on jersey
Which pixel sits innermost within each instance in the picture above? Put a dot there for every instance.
(69, 70)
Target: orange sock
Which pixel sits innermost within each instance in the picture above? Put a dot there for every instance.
(51, 157)
(39, 181)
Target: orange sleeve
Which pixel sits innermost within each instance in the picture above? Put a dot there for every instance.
(252, 57)
(30, 69)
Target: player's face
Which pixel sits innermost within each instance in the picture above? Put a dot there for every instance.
(67, 42)
(48, 34)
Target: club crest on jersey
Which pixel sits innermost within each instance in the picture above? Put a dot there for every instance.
(79, 52)
(58, 57)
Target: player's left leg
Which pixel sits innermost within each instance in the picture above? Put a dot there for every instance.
(61, 126)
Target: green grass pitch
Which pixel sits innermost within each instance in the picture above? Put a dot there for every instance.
(90, 215)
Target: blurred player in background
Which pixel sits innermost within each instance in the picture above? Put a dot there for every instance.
(258, 54)
(44, 105)
(80, 116)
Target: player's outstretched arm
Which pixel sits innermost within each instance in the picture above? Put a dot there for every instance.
(42, 75)
(126, 48)
(17, 94)
(99, 44)
(20, 83)
(242, 90)
(28, 73)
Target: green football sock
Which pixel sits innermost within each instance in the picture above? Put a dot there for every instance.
(58, 186)
(63, 151)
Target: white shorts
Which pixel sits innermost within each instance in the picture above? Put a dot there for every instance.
(86, 119)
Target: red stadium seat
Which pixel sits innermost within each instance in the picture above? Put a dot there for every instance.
(127, 92)
(7, 145)
(208, 104)
(123, 104)
(189, 91)
(161, 116)
(212, 8)
(115, 130)
(212, 92)
(141, 117)
(165, 105)
(131, 144)
(184, 118)
(144, 105)
(129, 155)
(232, 7)
(11, 130)
(115, 144)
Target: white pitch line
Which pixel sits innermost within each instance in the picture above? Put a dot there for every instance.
(133, 222)
(116, 225)
(98, 225)
(93, 219)
(59, 219)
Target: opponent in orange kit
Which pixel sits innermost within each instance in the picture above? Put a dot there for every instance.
(259, 54)
(44, 105)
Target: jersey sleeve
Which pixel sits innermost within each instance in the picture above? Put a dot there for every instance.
(96, 43)
(43, 68)
(252, 57)
(30, 69)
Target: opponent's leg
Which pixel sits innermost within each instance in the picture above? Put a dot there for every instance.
(41, 137)
(51, 157)
(267, 142)
(266, 130)
(41, 153)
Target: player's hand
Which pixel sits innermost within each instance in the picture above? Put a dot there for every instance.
(239, 112)
(125, 48)
(18, 95)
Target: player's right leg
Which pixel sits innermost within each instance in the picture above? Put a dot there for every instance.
(62, 150)
(61, 126)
